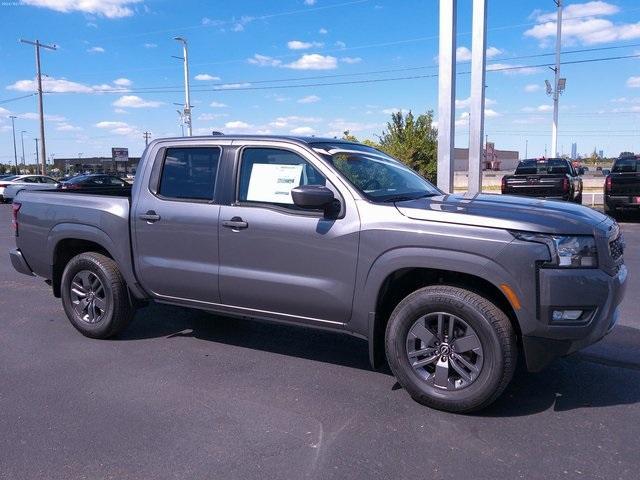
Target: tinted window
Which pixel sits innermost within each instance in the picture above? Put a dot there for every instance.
(78, 179)
(267, 175)
(550, 166)
(29, 180)
(625, 165)
(116, 181)
(10, 177)
(189, 173)
(47, 180)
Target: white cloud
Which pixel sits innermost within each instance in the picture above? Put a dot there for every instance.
(119, 110)
(540, 108)
(217, 105)
(314, 61)
(633, 82)
(511, 69)
(105, 8)
(61, 85)
(47, 117)
(133, 101)
(309, 2)
(340, 44)
(467, 102)
(237, 124)
(4, 112)
(264, 61)
(390, 111)
(463, 121)
(302, 131)
(463, 54)
(122, 82)
(298, 45)
(323, 31)
(532, 87)
(110, 124)
(490, 113)
(309, 99)
(582, 24)
(96, 50)
(150, 45)
(282, 122)
(340, 125)
(232, 86)
(211, 116)
(351, 60)
(66, 127)
(205, 77)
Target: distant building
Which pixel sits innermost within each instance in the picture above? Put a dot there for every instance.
(95, 165)
(601, 153)
(499, 159)
(574, 151)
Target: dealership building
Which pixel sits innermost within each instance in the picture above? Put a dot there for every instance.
(96, 165)
(498, 160)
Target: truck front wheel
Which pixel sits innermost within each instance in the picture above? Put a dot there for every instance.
(95, 296)
(450, 348)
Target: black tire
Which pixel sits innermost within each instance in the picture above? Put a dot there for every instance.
(117, 312)
(494, 332)
(578, 199)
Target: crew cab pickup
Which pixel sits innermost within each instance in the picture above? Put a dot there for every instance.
(331, 234)
(622, 186)
(551, 178)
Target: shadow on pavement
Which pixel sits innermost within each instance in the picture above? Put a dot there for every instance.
(604, 375)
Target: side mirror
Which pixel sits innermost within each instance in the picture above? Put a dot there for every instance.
(313, 197)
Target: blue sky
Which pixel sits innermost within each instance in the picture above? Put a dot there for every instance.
(113, 77)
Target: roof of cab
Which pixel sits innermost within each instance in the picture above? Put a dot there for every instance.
(290, 138)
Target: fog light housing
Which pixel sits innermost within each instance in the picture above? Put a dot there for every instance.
(566, 315)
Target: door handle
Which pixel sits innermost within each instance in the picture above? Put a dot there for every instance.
(151, 216)
(236, 223)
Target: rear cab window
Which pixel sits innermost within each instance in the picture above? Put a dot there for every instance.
(549, 166)
(189, 173)
(625, 165)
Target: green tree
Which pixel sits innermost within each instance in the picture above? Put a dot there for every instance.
(414, 141)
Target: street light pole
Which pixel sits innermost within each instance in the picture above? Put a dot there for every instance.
(37, 159)
(22, 141)
(15, 151)
(556, 91)
(187, 94)
(43, 152)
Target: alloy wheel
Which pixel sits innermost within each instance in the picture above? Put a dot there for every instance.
(88, 296)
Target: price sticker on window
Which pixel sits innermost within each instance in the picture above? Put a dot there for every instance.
(272, 183)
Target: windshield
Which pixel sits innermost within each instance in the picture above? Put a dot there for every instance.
(625, 165)
(379, 177)
(78, 179)
(549, 166)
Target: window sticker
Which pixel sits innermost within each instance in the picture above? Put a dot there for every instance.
(272, 183)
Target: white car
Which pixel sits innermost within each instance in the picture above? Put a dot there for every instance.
(9, 187)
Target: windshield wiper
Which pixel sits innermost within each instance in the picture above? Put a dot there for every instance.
(404, 198)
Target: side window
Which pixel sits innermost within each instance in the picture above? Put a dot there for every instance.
(116, 181)
(30, 180)
(189, 173)
(47, 180)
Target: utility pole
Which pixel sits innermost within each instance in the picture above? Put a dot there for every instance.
(44, 172)
(187, 96)
(43, 152)
(15, 151)
(147, 136)
(22, 140)
(558, 83)
(526, 148)
(476, 110)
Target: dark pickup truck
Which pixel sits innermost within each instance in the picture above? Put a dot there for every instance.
(335, 235)
(622, 186)
(551, 178)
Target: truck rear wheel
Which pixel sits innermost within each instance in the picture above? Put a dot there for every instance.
(450, 348)
(95, 296)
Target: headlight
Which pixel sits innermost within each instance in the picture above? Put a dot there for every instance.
(566, 251)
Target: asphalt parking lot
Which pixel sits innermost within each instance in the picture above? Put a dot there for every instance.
(186, 394)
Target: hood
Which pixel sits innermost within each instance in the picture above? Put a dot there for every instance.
(505, 211)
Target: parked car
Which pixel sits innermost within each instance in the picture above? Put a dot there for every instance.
(32, 182)
(11, 185)
(448, 289)
(3, 176)
(551, 178)
(622, 186)
(93, 181)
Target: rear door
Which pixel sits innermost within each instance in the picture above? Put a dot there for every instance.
(279, 259)
(175, 224)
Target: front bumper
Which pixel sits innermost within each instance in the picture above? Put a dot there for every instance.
(594, 291)
(19, 263)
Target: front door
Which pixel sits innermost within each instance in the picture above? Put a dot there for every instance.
(277, 258)
(176, 226)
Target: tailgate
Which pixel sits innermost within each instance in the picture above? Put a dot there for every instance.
(625, 184)
(535, 185)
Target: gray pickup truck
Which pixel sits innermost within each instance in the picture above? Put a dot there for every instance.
(449, 290)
